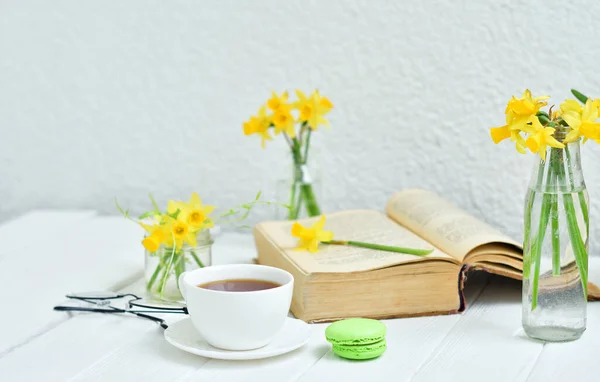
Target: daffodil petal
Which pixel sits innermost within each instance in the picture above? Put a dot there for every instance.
(299, 231)
(499, 134)
(313, 247)
(572, 119)
(325, 236)
(572, 136)
(318, 226)
(533, 143)
(195, 199)
(191, 239)
(207, 210)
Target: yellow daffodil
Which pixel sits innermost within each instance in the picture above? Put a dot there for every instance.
(177, 232)
(283, 120)
(527, 105)
(194, 213)
(275, 102)
(259, 125)
(309, 238)
(541, 138)
(519, 116)
(582, 120)
(313, 109)
(511, 131)
(157, 235)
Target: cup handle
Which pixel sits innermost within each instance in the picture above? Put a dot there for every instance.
(182, 285)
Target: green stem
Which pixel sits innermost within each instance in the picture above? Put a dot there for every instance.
(536, 249)
(299, 200)
(307, 145)
(295, 197)
(307, 195)
(409, 251)
(527, 225)
(581, 256)
(309, 198)
(577, 244)
(293, 211)
(165, 277)
(179, 267)
(154, 276)
(196, 259)
(555, 237)
(582, 202)
(555, 233)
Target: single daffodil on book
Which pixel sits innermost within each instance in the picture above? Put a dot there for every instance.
(309, 239)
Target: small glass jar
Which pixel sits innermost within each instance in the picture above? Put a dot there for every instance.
(555, 260)
(163, 267)
(301, 189)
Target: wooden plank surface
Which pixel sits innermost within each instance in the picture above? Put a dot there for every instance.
(571, 361)
(112, 347)
(95, 253)
(484, 343)
(487, 342)
(410, 341)
(36, 226)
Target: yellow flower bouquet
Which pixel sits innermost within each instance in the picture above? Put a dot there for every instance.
(295, 121)
(178, 238)
(556, 228)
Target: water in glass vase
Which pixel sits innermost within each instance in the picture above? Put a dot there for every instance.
(554, 306)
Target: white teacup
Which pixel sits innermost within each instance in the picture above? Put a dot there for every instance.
(237, 320)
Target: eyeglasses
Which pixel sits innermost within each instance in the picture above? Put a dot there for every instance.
(102, 303)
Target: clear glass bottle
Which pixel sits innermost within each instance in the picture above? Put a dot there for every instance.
(163, 267)
(302, 191)
(555, 263)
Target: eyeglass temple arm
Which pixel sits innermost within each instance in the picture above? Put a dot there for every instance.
(160, 321)
(78, 309)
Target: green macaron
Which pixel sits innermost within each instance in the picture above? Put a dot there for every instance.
(357, 338)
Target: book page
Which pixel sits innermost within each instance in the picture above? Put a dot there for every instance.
(442, 223)
(364, 225)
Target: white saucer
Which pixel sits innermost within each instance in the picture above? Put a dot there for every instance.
(182, 334)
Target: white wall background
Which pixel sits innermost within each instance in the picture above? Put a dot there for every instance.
(105, 99)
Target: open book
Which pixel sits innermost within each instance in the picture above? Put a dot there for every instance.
(340, 281)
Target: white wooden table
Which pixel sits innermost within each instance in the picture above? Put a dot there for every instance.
(46, 254)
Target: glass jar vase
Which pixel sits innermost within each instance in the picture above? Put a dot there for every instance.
(301, 190)
(163, 267)
(555, 262)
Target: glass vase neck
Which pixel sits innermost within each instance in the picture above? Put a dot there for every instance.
(559, 171)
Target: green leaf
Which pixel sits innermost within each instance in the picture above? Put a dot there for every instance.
(582, 98)
(544, 119)
(154, 204)
(175, 214)
(542, 112)
(148, 214)
(123, 212)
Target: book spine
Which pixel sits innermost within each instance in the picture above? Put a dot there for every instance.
(462, 277)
